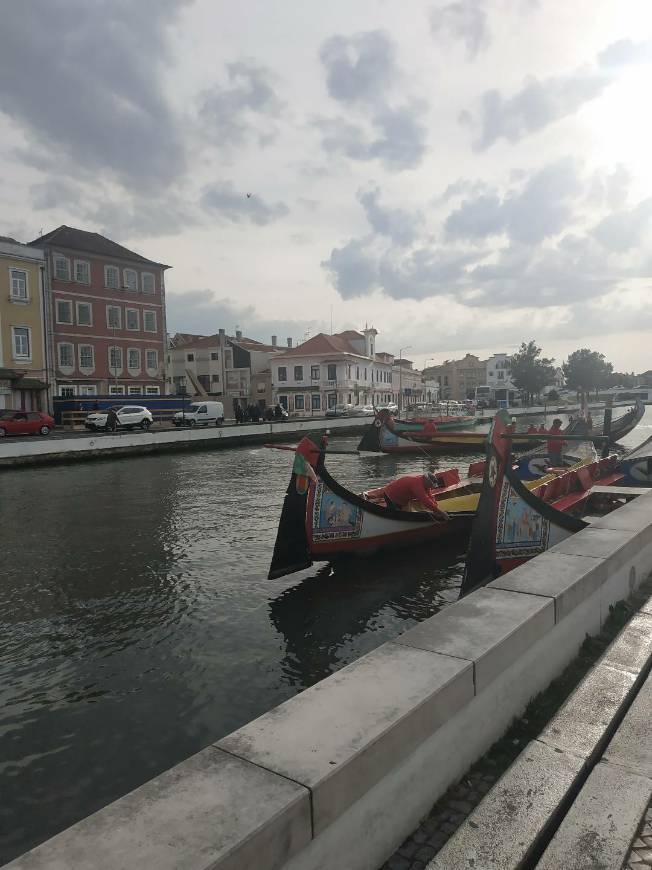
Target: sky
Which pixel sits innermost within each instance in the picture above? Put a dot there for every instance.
(463, 176)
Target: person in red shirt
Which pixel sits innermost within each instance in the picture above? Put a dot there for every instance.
(555, 447)
(401, 491)
(531, 429)
(542, 430)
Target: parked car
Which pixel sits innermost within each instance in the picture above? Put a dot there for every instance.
(25, 423)
(366, 411)
(392, 407)
(129, 416)
(341, 411)
(201, 414)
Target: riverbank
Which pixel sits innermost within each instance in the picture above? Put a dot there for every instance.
(340, 774)
(26, 450)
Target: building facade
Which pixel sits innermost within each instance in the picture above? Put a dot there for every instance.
(23, 364)
(409, 388)
(458, 379)
(327, 370)
(105, 308)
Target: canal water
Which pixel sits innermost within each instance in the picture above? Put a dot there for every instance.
(138, 624)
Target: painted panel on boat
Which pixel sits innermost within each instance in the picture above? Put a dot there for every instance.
(332, 517)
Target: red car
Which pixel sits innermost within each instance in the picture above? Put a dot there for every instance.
(25, 423)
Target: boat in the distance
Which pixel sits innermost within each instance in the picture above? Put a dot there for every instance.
(515, 522)
(323, 520)
(388, 435)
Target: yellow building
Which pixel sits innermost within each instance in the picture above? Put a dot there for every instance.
(23, 365)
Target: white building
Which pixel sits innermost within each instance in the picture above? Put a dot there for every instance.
(499, 371)
(327, 370)
(409, 388)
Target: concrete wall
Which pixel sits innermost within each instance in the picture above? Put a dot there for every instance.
(28, 451)
(337, 776)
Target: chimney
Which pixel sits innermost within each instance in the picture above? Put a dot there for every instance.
(222, 332)
(289, 342)
(238, 334)
(274, 340)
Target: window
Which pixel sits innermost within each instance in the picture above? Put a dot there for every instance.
(84, 314)
(149, 321)
(21, 342)
(357, 373)
(116, 390)
(67, 392)
(151, 358)
(282, 373)
(215, 357)
(82, 271)
(314, 373)
(61, 267)
(115, 358)
(332, 400)
(152, 391)
(332, 372)
(501, 376)
(87, 390)
(283, 402)
(348, 372)
(299, 404)
(18, 285)
(64, 311)
(66, 356)
(316, 403)
(215, 379)
(131, 279)
(135, 391)
(86, 356)
(112, 277)
(113, 317)
(148, 282)
(133, 359)
(190, 357)
(298, 373)
(132, 318)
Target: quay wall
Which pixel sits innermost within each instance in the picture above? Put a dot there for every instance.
(340, 774)
(45, 451)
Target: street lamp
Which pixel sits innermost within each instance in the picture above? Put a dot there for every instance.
(115, 367)
(400, 377)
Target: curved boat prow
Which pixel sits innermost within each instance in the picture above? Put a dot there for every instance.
(291, 551)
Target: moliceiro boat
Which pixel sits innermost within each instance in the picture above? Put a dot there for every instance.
(323, 520)
(514, 522)
(388, 435)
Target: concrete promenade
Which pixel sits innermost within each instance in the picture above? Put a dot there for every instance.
(26, 450)
(339, 775)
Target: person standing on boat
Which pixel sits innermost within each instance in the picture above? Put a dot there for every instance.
(555, 446)
(531, 429)
(412, 487)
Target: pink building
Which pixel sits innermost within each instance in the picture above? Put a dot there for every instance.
(105, 315)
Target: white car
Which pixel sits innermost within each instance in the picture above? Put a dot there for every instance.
(129, 416)
(366, 411)
(392, 407)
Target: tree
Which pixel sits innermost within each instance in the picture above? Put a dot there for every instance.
(587, 370)
(530, 371)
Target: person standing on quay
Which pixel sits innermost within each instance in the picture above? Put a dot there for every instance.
(111, 420)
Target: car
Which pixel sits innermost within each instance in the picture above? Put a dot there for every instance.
(366, 411)
(340, 411)
(392, 407)
(200, 414)
(129, 416)
(25, 423)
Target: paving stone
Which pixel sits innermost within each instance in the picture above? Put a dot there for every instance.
(631, 745)
(408, 849)
(425, 853)
(632, 649)
(602, 822)
(398, 863)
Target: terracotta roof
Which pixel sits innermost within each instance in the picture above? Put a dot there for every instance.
(92, 243)
(350, 334)
(9, 239)
(388, 355)
(187, 339)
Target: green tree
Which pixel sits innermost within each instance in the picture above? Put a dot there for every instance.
(530, 371)
(586, 370)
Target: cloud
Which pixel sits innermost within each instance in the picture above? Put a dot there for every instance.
(397, 138)
(624, 230)
(541, 208)
(464, 20)
(353, 269)
(359, 68)
(398, 225)
(233, 113)
(538, 104)
(203, 312)
(624, 52)
(223, 200)
(83, 80)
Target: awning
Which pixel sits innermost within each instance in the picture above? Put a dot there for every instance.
(29, 384)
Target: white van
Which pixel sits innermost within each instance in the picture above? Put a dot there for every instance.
(200, 414)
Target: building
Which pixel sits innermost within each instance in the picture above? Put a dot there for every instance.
(235, 369)
(458, 379)
(327, 370)
(105, 311)
(409, 389)
(23, 364)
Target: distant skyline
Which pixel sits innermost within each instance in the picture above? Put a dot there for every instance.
(464, 175)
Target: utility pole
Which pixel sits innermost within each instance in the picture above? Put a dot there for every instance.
(400, 378)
